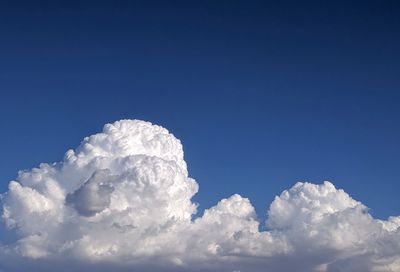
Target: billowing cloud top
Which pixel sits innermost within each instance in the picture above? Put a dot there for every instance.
(122, 202)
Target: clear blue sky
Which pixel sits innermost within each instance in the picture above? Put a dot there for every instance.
(261, 94)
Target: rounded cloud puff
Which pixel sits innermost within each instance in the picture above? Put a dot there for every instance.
(124, 197)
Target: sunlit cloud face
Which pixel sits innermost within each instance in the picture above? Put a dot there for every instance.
(122, 201)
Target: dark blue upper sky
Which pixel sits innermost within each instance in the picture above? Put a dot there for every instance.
(261, 94)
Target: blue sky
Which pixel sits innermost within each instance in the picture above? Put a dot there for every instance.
(261, 95)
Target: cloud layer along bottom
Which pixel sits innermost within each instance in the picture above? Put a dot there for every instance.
(122, 202)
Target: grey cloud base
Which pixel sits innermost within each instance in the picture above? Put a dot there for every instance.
(122, 202)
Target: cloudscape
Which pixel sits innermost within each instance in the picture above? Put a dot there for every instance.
(122, 201)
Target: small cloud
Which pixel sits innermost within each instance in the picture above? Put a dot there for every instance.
(94, 195)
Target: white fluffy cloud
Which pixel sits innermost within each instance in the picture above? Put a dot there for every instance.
(122, 201)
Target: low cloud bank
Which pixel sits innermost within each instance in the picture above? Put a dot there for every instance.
(122, 201)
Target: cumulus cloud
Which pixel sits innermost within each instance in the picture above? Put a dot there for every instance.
(122, 201)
